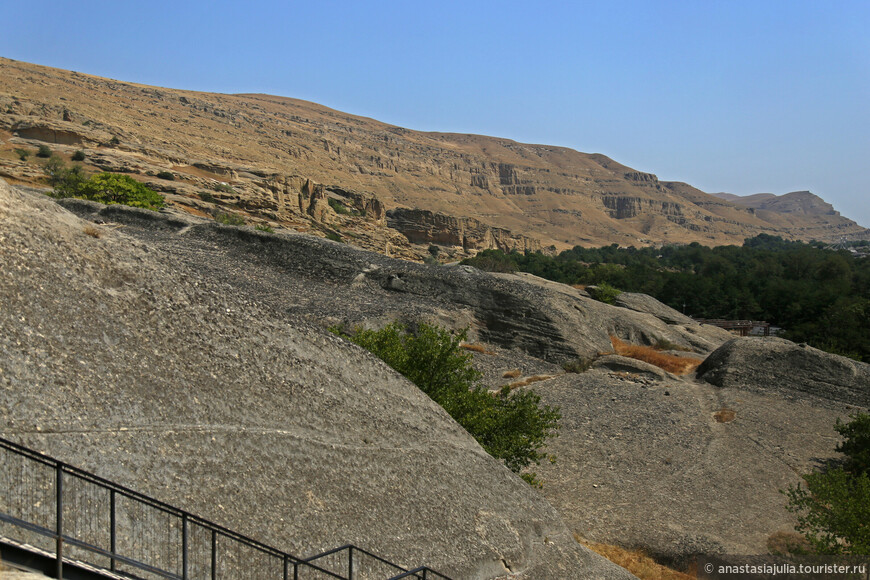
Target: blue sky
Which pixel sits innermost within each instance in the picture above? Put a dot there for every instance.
(743, 97)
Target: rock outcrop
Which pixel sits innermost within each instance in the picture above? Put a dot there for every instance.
(426, 227)
(548, 320)
(678, 467)
(118, 357)
(648, 304)
(793, 371)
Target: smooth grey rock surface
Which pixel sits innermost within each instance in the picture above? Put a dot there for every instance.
(644, 463)
(118, 357)
(669, 477)
(792, 371)
(332, 282)
(614, 362)
(648, 304)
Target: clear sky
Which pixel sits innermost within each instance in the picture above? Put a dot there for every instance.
(727, 95)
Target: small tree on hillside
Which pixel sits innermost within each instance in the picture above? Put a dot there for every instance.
(834, 508)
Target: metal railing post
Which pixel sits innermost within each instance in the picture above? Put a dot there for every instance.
(184, 546)
(59, 518)
(214, 554)
(113, 537)
(350, 563)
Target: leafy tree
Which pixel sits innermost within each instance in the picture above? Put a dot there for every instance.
(834, 508)
(78, 155)
(510, 425)
(604, 292)
(66, 181)
(492, 261)
(112, 188)
(105, 188)
(856, 443)
(44, 151)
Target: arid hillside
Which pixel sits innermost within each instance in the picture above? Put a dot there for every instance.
(298, 164)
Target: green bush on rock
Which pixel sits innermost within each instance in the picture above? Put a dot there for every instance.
(510, 425)
(111, 188)
(108, 188)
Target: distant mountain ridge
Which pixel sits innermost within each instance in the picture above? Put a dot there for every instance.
(287, 162)
(796, 202)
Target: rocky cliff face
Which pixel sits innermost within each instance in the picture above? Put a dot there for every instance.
(426, 227)
(551, 194)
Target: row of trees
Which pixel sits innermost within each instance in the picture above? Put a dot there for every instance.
(819, 296)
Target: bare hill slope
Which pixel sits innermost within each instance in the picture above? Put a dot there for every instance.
(270, 151)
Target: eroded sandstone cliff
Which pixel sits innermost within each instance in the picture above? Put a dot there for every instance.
(554, 195)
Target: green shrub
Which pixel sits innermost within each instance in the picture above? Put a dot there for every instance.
(206, 196)
(229, 219)
(339, 208)
(577, 365)
(335, 237)
(856, 443)
(510, 425)
(111, 188)
(492, 261)
(833, 510)
(108, 188)
(264, 228)
(23, 154)
(114, 141)
(167, 175)
(604, 292)
(78, 155)
(44, 151)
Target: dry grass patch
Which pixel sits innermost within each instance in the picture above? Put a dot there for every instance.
(725, 415)
(673, 364)
(530, 380)
(512, 374)
(475, 348)
(636, 562)
(92, 231)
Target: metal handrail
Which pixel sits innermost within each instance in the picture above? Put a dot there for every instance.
(292, 565)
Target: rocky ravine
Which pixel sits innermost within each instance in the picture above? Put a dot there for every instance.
(523, 195)
(645, 458)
